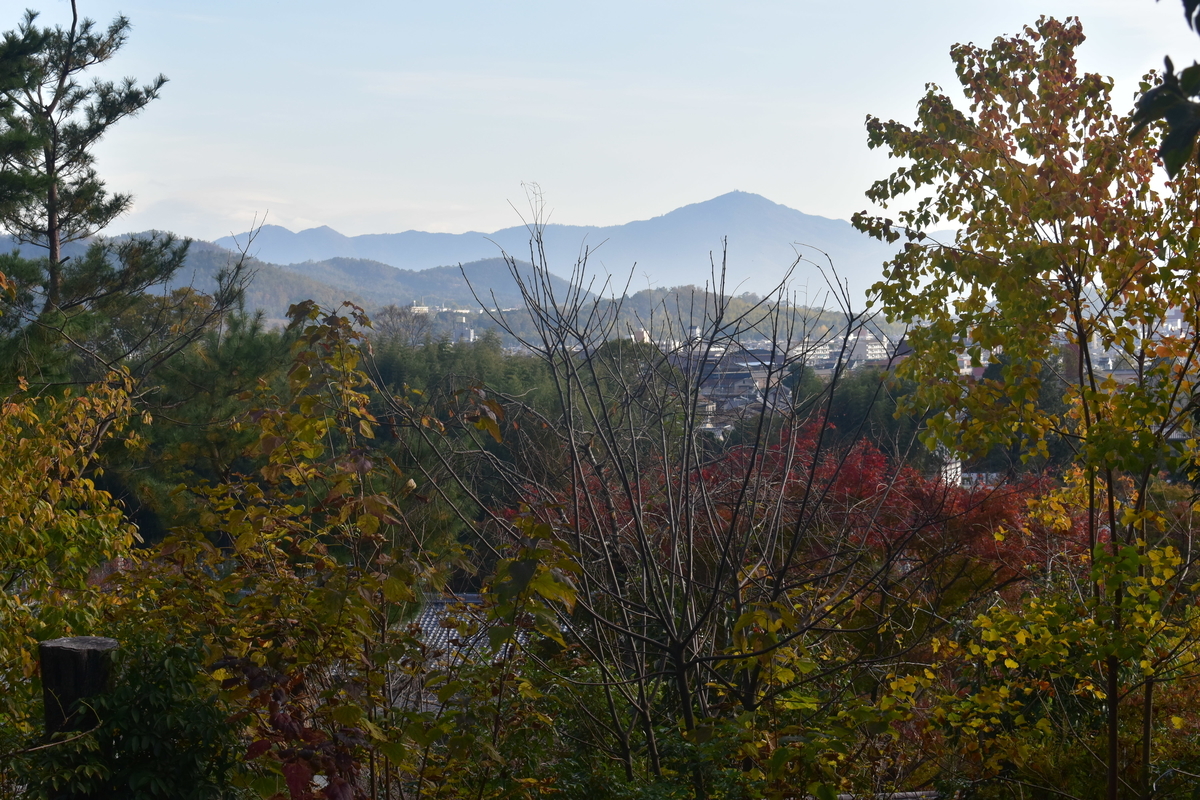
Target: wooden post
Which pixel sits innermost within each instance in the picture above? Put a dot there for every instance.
(73, 669)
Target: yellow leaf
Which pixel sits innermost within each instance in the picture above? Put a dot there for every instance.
(397, 591)
(244, 542)
(347, 715)
(368, 524)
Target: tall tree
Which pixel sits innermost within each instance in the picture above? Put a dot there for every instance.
(1065, 246)
(72, 319)
(49, 103)
(704, 592)
(402, 325)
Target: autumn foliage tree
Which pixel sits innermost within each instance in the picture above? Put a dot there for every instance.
(1066, 245)
(57, 531)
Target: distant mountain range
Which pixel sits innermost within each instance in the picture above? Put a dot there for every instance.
(678, 248)
(675, 249)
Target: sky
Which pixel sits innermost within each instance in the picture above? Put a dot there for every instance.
(379, 116)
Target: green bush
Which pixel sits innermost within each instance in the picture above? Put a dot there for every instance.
(162, 734)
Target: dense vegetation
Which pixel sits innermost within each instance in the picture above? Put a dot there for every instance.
(636, 601)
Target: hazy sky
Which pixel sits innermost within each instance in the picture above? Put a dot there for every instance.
(376, 117)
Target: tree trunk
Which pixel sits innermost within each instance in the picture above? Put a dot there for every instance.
(1147, 737)
(689, 719)
(53, 238)
(73, 669)
(1114, 728)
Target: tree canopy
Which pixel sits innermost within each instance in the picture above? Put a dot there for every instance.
(1066, 247)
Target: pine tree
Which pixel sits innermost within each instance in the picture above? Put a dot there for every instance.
(75, 318)
(51, 104)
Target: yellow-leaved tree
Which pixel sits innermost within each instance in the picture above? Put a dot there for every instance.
(1069, 258)
(58, 532)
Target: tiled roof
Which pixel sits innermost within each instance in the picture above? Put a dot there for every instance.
(439, 629)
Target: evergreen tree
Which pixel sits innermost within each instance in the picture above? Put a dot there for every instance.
(49, 103)
(74, 318)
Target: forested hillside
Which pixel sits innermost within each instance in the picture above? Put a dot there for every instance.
(272, 288)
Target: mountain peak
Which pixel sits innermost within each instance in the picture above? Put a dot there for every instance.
(270, 229)
(757, 238)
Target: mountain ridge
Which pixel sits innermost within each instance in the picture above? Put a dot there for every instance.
(678, 247)
(275, 287)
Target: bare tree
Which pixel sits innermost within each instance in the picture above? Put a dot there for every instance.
(402, 325)
(712, 578)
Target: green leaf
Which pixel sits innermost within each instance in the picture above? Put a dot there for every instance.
(449, 690)
(550, 587)
(499, 634)
(395, 751)
(822, 791)
(1189, 80)
(368, 524)
(267, 786)
(245, 542)
(348, 715)
(517, 577)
